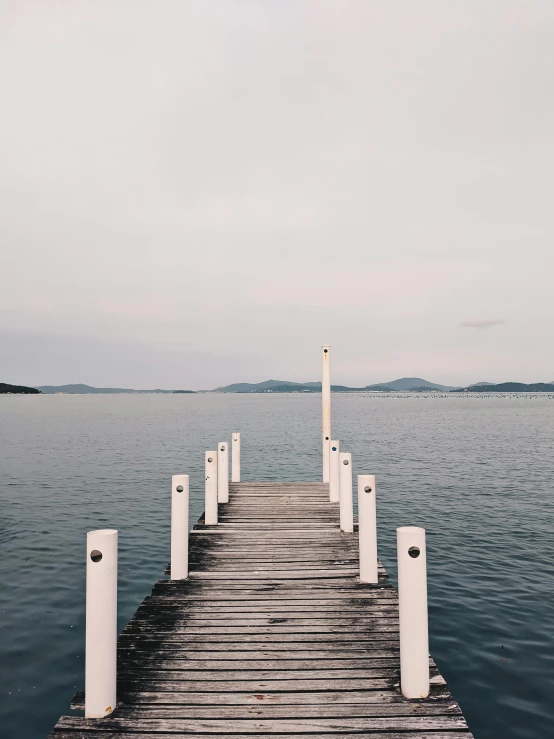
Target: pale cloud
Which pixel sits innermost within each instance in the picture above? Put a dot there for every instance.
(486, 323)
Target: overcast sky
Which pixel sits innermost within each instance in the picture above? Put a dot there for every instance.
(197, 193)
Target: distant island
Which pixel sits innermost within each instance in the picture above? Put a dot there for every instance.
(508, 387)
(18, 389)
(412, 384)
(81, 389)
(404, 384)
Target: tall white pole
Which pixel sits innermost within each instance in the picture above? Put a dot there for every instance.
(179, 527)
(235, 457)
(367, 522)
(334, 471)
(101, 623)
(223, 472)
(326, 407)
(210, 502)
(412, 597)
(345, 492)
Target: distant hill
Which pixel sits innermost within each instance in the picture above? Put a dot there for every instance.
(509, 387)
(284, 386)
(416, 383)
(271, 386)
(257, 387)
(81, 389)
(18, 389)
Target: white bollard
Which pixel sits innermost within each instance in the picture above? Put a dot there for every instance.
(334, 471)
(367, 523)
(412, 597)
(345, 492)
(179, 527)
(235, 457)
(101, 623)
(326, 407)
(210, 502)
(223, 472)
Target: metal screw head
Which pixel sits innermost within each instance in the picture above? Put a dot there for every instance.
(367, 489)
(222, 449)
(210, 459)
(345, 461)
(414, 552)
(179, 488)
(325, 351)
(96, 555)
(326, 438)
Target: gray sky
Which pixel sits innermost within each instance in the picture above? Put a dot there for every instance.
(196, 193)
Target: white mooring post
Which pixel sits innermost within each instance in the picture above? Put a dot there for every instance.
(101, 623)
(179, 527)
(412, 596)
(235, 457)
(367, 523)
(345, 492)
(326, 407)
(210, 502)
(334, 471)
(223, 472)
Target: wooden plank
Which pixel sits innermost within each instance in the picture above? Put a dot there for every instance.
(152, 672)
(78, 734)
(267, 637)
(370, 710)
(256, 726)
(260, 686)
(342, 662)
(281, 656)
(191, 647)
(307, 698)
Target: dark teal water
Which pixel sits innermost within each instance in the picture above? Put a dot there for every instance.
(476, 472)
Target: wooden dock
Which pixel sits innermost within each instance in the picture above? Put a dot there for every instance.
(272, 635)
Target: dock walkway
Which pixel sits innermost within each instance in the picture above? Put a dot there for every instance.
(272, 635)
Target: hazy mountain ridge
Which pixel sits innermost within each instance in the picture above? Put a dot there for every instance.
(81, 389)
(284, 386)
(509, 387)
(404, 384)
(6, 388)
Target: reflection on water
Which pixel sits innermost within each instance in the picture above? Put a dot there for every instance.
(476, 472)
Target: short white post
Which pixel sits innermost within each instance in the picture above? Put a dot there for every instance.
(223, 472)
(210, 502)
(235, 457)
(412, 596)
(326, 407)
(367, 523)
(101, 623)
(345, 492)
(179, 527)
(334, 471)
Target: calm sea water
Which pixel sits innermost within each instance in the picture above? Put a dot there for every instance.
(476, 472)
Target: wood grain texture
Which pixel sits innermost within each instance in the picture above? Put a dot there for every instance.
(272, 637)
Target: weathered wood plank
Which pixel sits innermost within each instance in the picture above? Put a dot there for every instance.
(283, 656)
(268, 637)
(79, 734)
(303, 698)
(343, 662)
(255, 726)
(341, 711)
(261, 686)
(150, 671)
